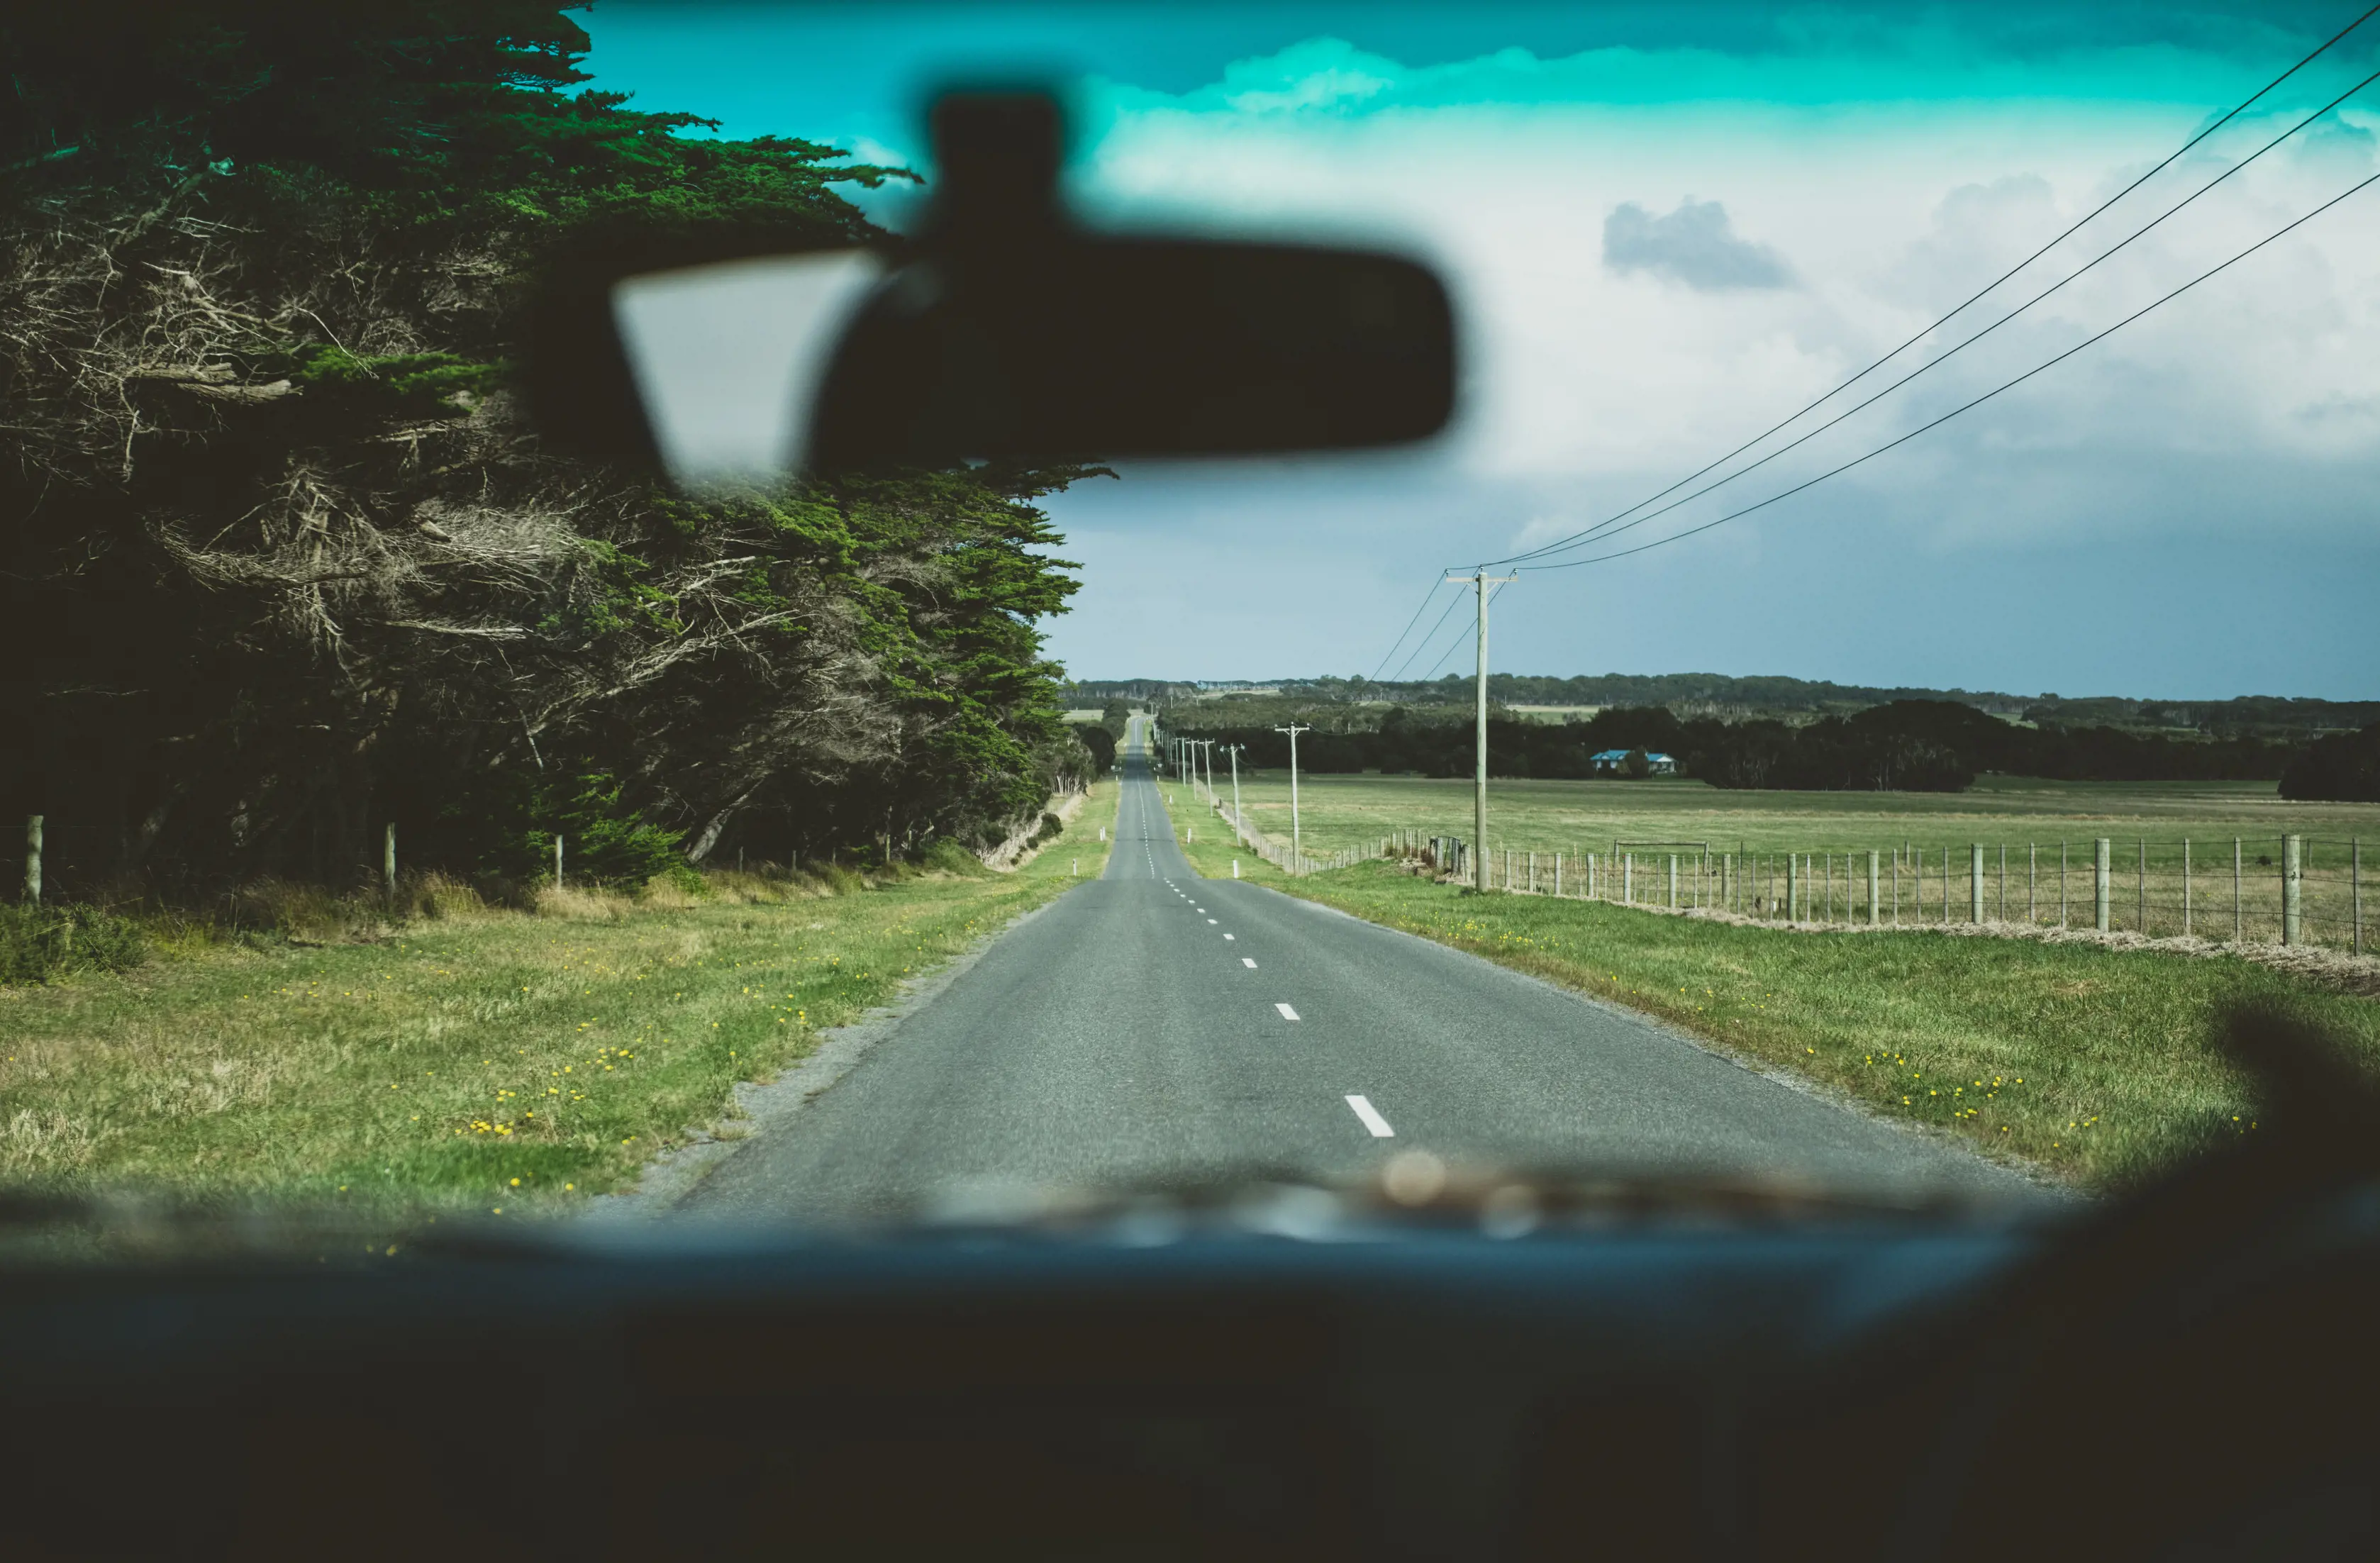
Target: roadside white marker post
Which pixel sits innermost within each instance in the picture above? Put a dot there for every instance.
(557, 860)
(1236, 868)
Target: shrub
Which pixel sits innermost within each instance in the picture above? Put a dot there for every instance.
(38, 943)
(946, 856)
(2341, 768)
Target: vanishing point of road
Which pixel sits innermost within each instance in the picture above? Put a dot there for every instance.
(1153, 1026)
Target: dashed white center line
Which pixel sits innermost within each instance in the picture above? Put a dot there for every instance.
(1372, 1118)
(1286, 1012)
(1250, 964)
(1234, 937)
(1210, 922)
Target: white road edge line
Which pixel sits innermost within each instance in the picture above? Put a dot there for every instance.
(1372, 1118)
(1286, 1012)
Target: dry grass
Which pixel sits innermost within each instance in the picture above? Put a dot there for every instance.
(475, 1056)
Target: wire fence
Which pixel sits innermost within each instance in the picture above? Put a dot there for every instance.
(2287, 889)
(2291, 889)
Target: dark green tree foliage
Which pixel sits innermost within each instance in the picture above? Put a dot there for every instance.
(2342, 767)
(279, 562)
(1904, 745)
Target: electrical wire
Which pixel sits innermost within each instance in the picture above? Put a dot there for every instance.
(1452, 604)
(1965, 406)
(1453, 645)
(2243, 105)
(1418, 612)
(1605, 528)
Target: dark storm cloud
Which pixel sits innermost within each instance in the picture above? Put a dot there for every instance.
(1692, 245)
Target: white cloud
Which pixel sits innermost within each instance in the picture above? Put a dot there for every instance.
(1586, 377)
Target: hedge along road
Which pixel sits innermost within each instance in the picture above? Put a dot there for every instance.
(1153, 1027)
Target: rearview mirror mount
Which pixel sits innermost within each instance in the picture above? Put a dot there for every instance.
(1002, 331)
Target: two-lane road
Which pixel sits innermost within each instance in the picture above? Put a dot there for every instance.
(1155, 1026)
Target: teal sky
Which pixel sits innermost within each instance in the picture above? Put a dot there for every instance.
(1667, 227)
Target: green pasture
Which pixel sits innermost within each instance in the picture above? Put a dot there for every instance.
(506, 1061)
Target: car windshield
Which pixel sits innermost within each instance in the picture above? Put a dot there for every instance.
(1653, 780)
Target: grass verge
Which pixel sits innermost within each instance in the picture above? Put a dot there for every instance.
(1206, 839)
(2094, 1064)
(495, 1061)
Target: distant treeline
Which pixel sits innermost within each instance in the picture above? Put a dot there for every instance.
(1343, 704)
(1908, 745)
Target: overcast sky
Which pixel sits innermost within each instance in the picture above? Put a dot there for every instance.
(1666, 230)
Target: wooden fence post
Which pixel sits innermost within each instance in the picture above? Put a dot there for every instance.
(1975, 883)
(1871, 866)
(2103, 862)
(388, 862)
(2032, 883)
(2185, 887)
(557, 860)
(2355, 885)
(2004, 881)
(33, 860)
(1793, 885)
(2239, 915)
(2143, 913)
(1673, 881)
(2292, 882)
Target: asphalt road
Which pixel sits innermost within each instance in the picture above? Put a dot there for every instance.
(1155, 1026)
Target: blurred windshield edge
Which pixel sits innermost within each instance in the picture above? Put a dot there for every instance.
(727, 359)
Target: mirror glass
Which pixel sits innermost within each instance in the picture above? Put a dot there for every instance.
(728, 357)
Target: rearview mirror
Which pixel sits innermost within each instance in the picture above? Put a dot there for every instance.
(1003, 332)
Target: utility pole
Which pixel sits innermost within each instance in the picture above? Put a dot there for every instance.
(1482, 580)
(1297, 851)
(1206, 747)
(1234, 750)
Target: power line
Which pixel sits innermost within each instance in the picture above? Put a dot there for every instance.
(2242, 107)
(1409, 624)
(1606, 528)
(1455, 602)
(1456, 644)
(1954, 412)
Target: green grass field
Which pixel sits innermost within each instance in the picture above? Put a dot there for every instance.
(1340, 811)
(2092, 1063)
(502, 1062)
